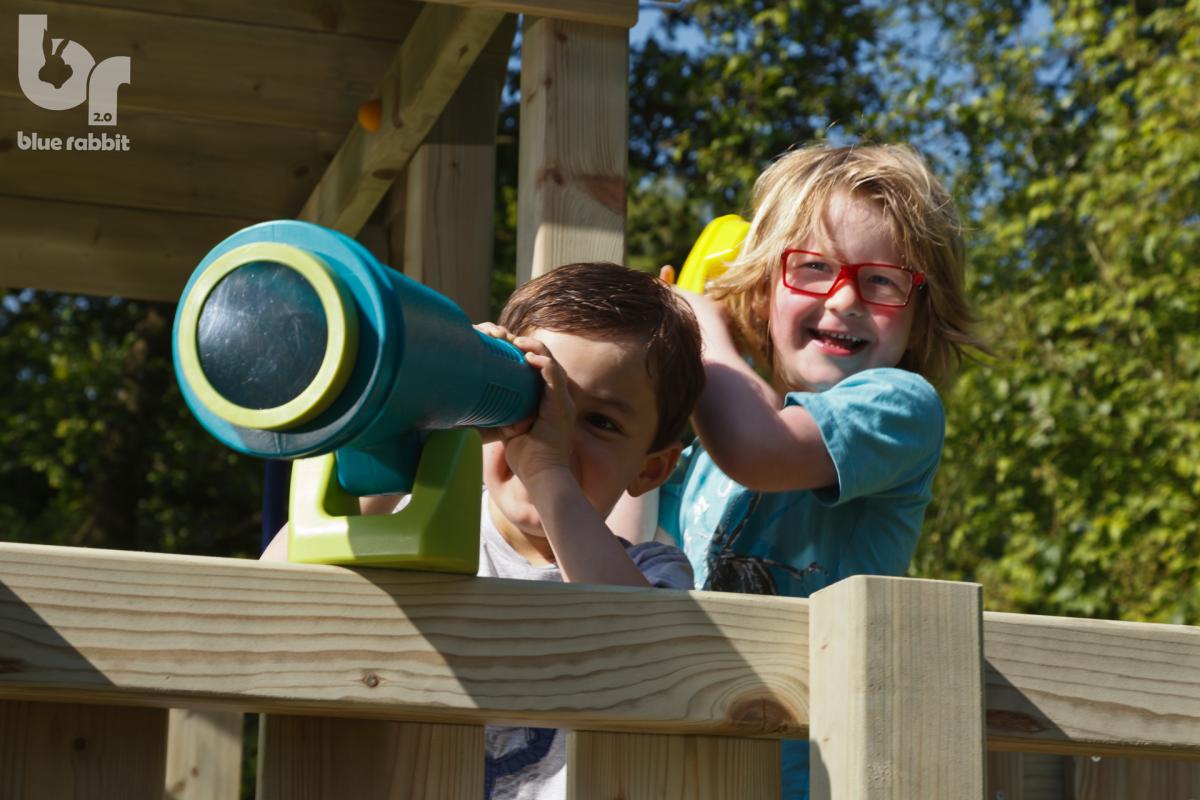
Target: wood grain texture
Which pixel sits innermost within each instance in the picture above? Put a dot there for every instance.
(634, 766)
(172, 631)
(189, 166)
(375, 19)
(204, 754)
(449, 223)
(574, 145)
(217, 70)
(1044, 776)
(896, 703)
(92, 249)
(1005, 777)
(1091, 687)
(622, 13)
(426, 71)
(66, 751)
(308, 758)
(1105, 778)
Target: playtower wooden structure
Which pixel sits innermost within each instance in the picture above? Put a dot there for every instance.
(376, 683)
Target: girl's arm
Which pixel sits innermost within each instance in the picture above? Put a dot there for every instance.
(635, 519)
(742, 423)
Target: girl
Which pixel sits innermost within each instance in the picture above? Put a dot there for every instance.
(848, 296)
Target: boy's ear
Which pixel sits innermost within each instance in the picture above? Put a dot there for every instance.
(655, 469)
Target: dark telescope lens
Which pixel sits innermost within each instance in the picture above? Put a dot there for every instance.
(261, 336)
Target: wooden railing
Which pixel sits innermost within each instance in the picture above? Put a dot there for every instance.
(376, 683)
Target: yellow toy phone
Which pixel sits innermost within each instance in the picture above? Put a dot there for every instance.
(717, 245)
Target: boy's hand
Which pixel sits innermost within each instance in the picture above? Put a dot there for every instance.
(508, 431)
(546, 445)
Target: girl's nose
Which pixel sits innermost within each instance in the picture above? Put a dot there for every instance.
(844, 299)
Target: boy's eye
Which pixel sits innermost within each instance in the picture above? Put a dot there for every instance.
(817, 266)
(603, 422)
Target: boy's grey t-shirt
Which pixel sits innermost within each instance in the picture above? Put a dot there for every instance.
(530, 763)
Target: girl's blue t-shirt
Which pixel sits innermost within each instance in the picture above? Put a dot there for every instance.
(884, 429)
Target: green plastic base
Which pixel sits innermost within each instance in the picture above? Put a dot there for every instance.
(438, 530)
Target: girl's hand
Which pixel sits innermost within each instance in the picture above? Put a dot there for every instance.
(708, 312)
(546, 445)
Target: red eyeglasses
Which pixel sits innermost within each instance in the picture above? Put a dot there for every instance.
(817, 275)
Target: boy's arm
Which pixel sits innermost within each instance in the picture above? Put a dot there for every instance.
(741, 421)
(585, 549)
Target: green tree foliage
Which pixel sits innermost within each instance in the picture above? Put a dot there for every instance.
(1072, 467)
(722, 87)
(100, 450)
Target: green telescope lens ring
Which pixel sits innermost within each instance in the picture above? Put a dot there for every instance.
(341, 343)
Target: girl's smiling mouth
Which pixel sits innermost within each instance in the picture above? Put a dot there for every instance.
(837, 343)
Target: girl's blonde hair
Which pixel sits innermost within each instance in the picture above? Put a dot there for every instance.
(789, 200)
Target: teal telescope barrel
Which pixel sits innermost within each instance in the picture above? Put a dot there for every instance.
(292, 340)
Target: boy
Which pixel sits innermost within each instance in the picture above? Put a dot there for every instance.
(619, 354)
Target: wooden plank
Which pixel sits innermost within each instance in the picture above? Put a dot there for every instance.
(306, 758)
(89, 249)
(621, 13)
(163, 630)
(1044, 776)
(375, 19)
(192, 166)
(432, 62)
(204, 754)
(1105, 778)
(635, 766)
(574, 145)
(450, 219)
(895, 703)
(81, 752)
(207, 69)
(1005, 777)
(1092, 687)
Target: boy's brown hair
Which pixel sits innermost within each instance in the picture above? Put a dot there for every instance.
(613, 303)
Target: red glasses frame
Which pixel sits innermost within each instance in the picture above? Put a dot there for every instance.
(848, 273)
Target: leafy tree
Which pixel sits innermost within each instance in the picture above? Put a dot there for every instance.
(101, 449)
(1072, 467)
(722, 87)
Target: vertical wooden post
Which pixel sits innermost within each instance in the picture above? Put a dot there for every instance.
(321, 758)
(896, 688)
(204, 755)
(574, 144)
(637, 766)
(69, 751)
(449, 207)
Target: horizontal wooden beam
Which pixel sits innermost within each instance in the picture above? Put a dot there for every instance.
(100, 250)
(97, 626)
(211, 69)
(435, 57)
(620, 13)
(1088, 687)
(192, 166)
(375, 19)
(94, 626)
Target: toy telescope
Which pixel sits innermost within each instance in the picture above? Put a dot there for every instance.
(293, 342)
